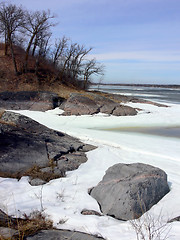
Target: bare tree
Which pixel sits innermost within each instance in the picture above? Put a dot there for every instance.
(41, 38)
(11, 19)
(92, 67)
(65, 68)
(33, 31)
(69, 60)
(77, 61)
(59, 50)
(43, 48)
(37, 23)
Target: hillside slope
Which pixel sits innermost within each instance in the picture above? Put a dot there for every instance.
(43, 81)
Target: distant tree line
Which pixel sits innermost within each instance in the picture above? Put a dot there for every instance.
(32, 31)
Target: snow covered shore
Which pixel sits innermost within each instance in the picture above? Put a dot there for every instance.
(64, 199)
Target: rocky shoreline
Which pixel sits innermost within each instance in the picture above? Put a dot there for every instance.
(28, 148)
(86, 103)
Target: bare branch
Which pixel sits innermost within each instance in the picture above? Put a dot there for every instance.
(37, 24)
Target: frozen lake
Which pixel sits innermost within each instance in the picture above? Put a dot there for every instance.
(159, 94)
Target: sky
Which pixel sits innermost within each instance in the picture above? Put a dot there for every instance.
(138, 41)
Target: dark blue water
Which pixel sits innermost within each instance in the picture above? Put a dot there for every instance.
(168, 95)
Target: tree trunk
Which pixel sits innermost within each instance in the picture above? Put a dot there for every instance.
(27, 53)
(34, 48)
(36, 66)
(6, 45)
(5, 48)
(13, 57)
(85, 81)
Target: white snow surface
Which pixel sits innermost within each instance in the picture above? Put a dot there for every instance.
(63, 199)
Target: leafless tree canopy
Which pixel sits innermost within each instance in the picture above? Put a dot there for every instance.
(11, 20)
(32, 30)
(37, 27)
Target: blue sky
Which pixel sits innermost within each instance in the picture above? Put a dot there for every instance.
(138, 41)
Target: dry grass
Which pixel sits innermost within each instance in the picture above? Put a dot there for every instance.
(29, 225)
(2, 111)
(10, 175)
(30, 81)
(7, 123)
(35, 172)
(32, 224)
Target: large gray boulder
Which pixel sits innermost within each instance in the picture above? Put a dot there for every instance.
(62, 235)
(77, 104)
(129, 190)
(106, 105)
(122, 110)
(25, 144)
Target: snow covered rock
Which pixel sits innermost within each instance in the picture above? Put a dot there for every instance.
(128, 190)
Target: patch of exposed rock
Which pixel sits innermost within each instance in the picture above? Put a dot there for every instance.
(90, 212)
(8, 233)
(29, 100)
(129, 190)
(79, 104)
(62, 234)
(176, 219)
(29, 148)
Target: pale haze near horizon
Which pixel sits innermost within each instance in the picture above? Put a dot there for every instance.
(138, 41)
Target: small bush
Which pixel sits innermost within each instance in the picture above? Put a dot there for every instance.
(149, 228)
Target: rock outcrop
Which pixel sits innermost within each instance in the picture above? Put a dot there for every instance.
(27, 147)
(129, 190)
(29, 100)
(79, 104)
(62, 234)
(176, 219)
